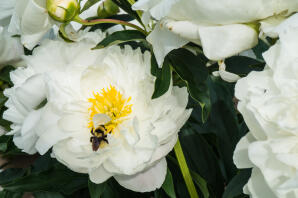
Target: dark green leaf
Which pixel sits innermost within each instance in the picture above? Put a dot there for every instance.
(192, 69)
(47, 195)
(235, 187)
(96, 190)
(203, 162)
(243, 65)
(6, 194)
(58, 180)
(4, 141)
(201, 183)
(126, 6)
(168, 185)
(163, 78)
(5, 74)
(260, 49)
(120, 37)
(9, 175)
(88, 4)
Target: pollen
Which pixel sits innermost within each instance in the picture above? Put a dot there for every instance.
(111, 102)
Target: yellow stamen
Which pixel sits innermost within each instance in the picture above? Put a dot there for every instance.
(112, 103)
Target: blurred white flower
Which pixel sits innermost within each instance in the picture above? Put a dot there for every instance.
(268, 103)
(223, 28)
(11, 48)
(30, 19)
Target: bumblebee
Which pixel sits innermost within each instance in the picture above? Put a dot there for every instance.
(99, 136)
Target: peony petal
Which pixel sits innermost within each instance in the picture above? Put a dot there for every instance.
(164, 41)
(240, 157)
(220, 42)
(6, 7)
(99, 175)
(257, 187)
(35, 22)
(146, 181)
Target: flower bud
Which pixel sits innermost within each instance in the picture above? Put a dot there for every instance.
(107, 8)
(63, 10)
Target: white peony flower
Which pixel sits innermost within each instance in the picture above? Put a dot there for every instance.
(99, 118)
(268, 103)
(31, 20)
(223, 28)
(27, 98)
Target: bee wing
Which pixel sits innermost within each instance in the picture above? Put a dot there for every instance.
(101, 119)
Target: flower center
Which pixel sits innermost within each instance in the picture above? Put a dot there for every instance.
(110, 102)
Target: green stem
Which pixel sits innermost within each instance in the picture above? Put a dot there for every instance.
(185, 171)
(114, 21)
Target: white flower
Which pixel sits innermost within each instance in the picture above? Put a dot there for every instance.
(11, 48)
(27, 98)
(107, 91)
(223, 28)
(30, 19)
(268, 103)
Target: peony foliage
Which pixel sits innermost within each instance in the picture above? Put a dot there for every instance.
(148, 98)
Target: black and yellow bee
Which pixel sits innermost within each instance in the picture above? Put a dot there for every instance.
(99, 135)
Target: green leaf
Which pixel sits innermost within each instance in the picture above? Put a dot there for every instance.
(235, 187)
(47, 195)
(168, 185)
(4, 141)
(9, 175)
(163, 78)
(56, 180)
(6, 194)
(243, 65)
(260, 49)
(88, 4)
(192, 69)
(120, 37)
(96, 190)
(5, 74)
(126, 6)
(201, 183)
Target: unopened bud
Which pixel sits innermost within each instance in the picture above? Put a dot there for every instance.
(107, 8)
(63, 10)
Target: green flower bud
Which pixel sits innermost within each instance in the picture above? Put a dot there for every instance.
(63, 10)
(107, 8)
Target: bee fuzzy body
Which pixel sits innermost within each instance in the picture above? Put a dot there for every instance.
(98, 137)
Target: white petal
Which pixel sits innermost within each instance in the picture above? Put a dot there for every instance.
(240, 157)
(164, 41)
(11, 48)
(35, 22)
(185, 29)
(257, 187)
(146, 181)
(6, 8)
(220, 42)
(99, 175)
(32, 92)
